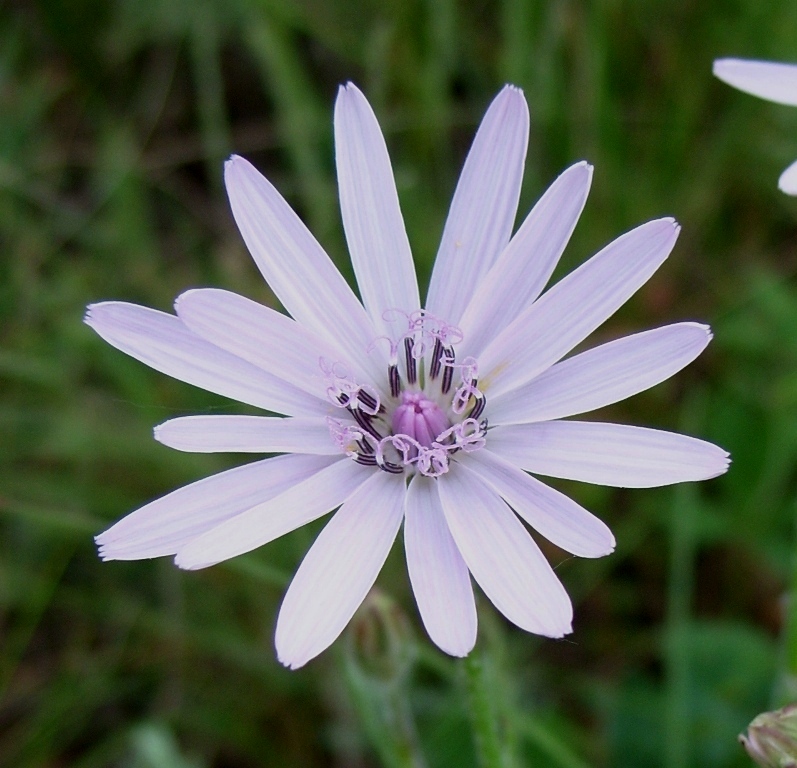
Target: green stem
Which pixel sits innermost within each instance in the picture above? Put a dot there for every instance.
(484, 720)
(676, 649)
(683, 551)
(786, 683)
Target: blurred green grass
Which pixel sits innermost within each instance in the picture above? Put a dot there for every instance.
(114, 120)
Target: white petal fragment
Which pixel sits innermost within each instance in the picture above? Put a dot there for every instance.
(526, 265)
(166, 524)
(768, 79)
(247, 434)
(378, 244)
(295, 266)
(296, 506)
(574, 307)
(608, 454)
(551, 513)
(164, 343)
(339, 570)
(603, 375)
(502, 556)
(261, 336)
(484, 206)
(788, 180)
(438, 574)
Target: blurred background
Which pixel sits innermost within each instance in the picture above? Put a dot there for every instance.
(115, 118)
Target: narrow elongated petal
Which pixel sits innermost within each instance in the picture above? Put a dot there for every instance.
(603, 375)
(263, 337)
(295, 266)
(247, 434)
(502, 556)
(339, 570)
(296, 506)
(526, 264)
(608, 454)
(788, 180)
(554, 515)
(164, 343)
(439, 576)
(768, 79)
(380, 251)
(166, 524)
(567, 313)
(484, 206)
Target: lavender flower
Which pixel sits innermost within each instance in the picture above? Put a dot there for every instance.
(394, 413)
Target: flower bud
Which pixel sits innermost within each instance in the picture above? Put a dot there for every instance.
(771, 738)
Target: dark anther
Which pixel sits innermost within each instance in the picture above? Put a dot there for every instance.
(437, 356)
(364, 420)
(478, 408)
(365, 446)
(448, 376)
(367, 460)
(393, 469)
(368, 400)
(395, 380)
(412, 373)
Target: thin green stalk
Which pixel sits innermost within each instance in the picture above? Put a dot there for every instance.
(676, 650)
(683, 544)
(483, 717)
(786, 683)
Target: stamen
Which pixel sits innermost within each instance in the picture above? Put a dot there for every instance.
(478, 407)
(364, 420)
(368, 402)
(345, 436)
(433, 462)
(394, 379)
(448, 373)
(437, 356)
(344, 392)
(412, 371)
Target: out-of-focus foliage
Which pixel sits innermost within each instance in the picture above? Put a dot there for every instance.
(115, 118)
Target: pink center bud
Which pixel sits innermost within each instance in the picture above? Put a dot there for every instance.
(420, 418)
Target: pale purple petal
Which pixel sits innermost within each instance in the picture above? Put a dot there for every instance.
(380, 251)
(266, 338)
(296, 506)
(484, 206)
(550, 513)
(525, 266)
(164, 343)
(439, 576)
(295, 266)
(567, 313)
(339, 570)
(608, 454)
(768, 79)
(603, 375)
(502, 556)
(788, 180)
(247, 434)
(168, 523)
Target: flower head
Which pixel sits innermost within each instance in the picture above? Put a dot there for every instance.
(395, 413)
(771, 81)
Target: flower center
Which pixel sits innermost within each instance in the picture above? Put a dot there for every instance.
(420, 418)
(433, 411)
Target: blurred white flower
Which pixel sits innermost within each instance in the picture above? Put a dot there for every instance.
(771, 81)
(396, 413)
